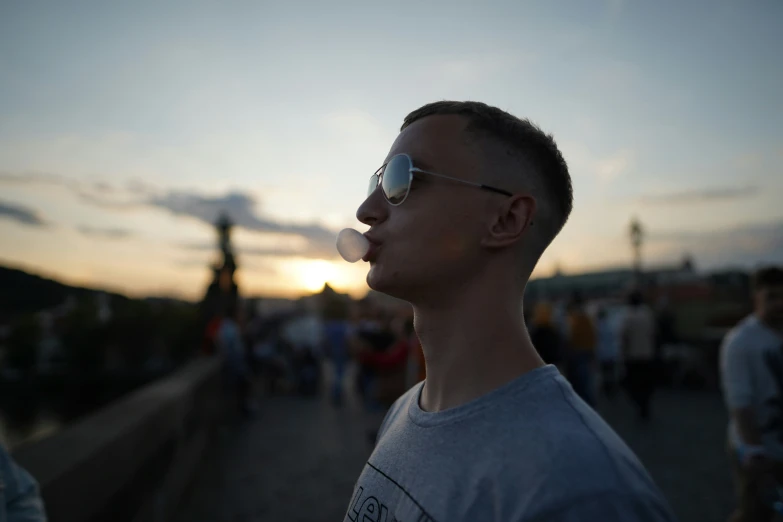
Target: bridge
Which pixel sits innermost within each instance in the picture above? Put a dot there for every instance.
(173, 451)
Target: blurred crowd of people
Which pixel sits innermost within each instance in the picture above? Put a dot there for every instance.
(286, 352)
(601, 347)
(598, 347)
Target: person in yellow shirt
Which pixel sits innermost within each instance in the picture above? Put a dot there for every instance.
(545, 336)
(581, 350)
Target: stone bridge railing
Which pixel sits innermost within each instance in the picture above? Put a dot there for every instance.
(133, 460)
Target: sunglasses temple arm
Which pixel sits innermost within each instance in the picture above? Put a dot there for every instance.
(497, 190)
(415, 170)
(479, 185)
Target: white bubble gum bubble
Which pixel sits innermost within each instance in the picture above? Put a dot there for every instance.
(352, 245)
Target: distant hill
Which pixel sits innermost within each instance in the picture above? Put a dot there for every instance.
(23, 293)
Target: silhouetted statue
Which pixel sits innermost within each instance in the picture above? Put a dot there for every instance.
(222, 293)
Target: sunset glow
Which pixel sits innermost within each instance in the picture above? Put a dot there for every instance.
(315, 274)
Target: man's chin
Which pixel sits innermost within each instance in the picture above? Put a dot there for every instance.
(393, 288)
(376, 281)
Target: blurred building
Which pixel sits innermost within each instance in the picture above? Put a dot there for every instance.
(616, 282)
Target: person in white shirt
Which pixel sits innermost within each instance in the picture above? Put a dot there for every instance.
(608, 352)
(751, 364)
(637, 337)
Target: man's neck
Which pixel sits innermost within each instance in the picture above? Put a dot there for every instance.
(472, 346)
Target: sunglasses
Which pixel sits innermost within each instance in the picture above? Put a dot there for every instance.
(396, 176)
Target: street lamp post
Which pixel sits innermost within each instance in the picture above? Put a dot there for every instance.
(637, 238)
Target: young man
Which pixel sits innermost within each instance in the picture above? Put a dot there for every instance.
(752, 378)
(637, 337)
(465, 204)
(608, 352)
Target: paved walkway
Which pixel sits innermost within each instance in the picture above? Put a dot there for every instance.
(299, 459)
(683, 448)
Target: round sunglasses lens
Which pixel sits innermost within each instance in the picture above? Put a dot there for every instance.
(396, 179)
(373, 184)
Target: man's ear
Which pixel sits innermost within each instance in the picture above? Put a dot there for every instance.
(510, 221)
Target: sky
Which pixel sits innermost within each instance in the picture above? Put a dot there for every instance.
(127, 127)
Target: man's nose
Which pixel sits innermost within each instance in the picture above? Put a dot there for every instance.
(374, 209)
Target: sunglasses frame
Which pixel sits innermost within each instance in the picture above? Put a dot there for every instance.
(378, 180)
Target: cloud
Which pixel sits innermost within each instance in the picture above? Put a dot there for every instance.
(613, 166)
(746, 245)
(21, 214)
(106, 233)
(281, 249)
(103, 200)
(583, 160)
(40, 178)
(240, 207)
(139, 187)
(102, 187)
(96, 193)
(705, 195)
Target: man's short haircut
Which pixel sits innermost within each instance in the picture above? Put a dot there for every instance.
(767, 277)
(522, 139)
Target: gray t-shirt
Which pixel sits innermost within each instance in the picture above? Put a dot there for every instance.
(530, 450)
(751, 363)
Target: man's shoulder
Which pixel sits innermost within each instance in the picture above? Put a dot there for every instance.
(406, 398)
(399, 407)
(570, 439)
(541, 450)
(573, 458)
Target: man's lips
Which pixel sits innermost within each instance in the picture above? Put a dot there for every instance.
(372, 251)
